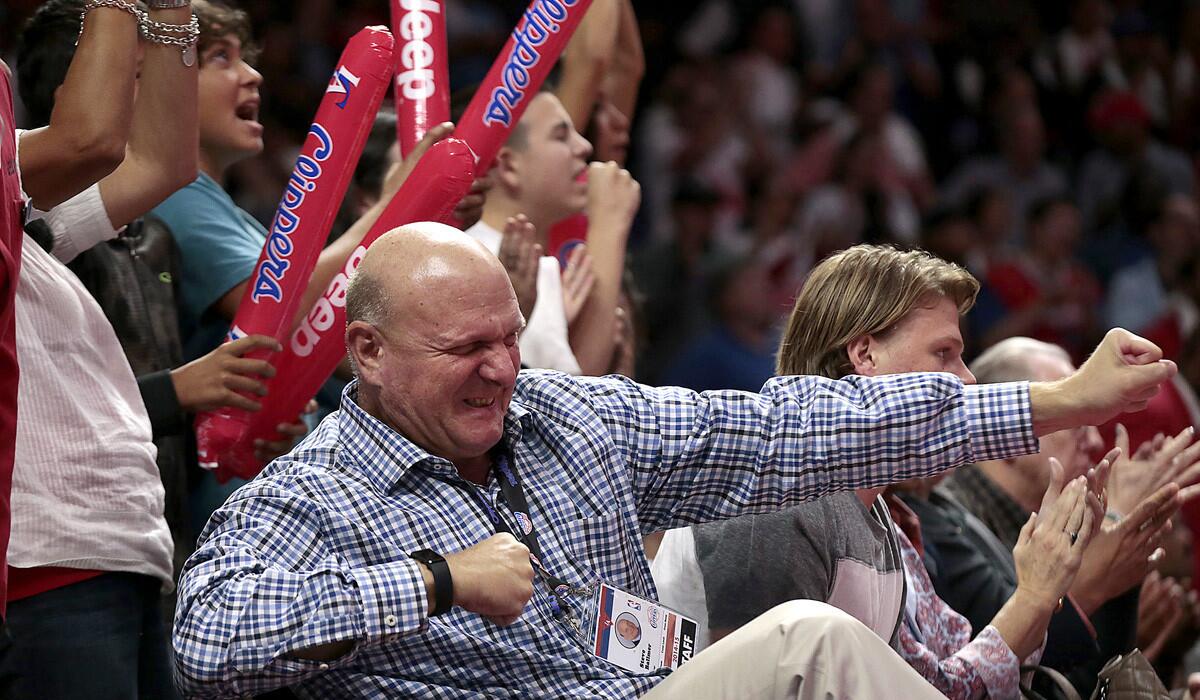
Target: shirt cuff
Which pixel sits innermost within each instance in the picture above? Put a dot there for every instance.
(79, 223)
(162, 404)
(1000, 418)
(998, 667)
(394, 599)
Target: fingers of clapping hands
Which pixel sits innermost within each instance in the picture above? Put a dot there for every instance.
(578, 279)
(1057, 483)
(520, 253)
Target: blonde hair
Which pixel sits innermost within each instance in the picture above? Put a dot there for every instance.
(864, 290)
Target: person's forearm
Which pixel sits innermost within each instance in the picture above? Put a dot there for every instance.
(821, 436)
(628, 62)
(1053, 407)
(90, 123)
(163, 141)
(277, 622)
(591, 336)
(1022, 622)
(586, 59)
(167, 417)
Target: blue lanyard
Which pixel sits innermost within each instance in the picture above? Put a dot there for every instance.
(526, 534)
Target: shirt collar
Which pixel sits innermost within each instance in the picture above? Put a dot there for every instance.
(385, 456)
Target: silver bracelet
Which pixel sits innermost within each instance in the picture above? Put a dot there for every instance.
(182, 35)
(90, 5)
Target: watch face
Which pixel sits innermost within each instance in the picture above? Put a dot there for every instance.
(426, 556)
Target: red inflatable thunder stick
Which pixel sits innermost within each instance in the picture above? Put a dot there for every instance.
(310, 201)
(422, 91)
(436, 185)
(517, 74)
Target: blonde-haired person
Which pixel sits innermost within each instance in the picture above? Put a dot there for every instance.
(864, 290)
(873, 310)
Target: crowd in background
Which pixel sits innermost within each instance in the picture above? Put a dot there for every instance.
(1051, 149)
(1048, 147)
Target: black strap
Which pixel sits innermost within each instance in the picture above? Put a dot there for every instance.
(443, 586)
(526, 532)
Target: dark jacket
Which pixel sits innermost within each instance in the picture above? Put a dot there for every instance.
(132, 277)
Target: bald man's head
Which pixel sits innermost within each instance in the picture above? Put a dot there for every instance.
(403, 264)
(432, 332)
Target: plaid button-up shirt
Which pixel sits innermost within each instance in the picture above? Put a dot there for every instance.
(314, 550)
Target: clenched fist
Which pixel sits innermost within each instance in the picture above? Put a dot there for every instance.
(493, 578)
(613, 197)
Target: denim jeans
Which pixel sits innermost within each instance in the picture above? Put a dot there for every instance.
(101, 639)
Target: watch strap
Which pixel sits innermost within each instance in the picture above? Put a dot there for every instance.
(167, 4)
(443, 584)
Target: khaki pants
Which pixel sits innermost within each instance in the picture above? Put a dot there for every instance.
(801, 649)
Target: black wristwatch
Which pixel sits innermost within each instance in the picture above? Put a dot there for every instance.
(443, 585)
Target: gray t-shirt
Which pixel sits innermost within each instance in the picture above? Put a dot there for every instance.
(832, 549)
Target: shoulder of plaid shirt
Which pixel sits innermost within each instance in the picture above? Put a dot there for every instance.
(314, 551)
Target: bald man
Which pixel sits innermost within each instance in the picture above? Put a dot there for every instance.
(446, 532)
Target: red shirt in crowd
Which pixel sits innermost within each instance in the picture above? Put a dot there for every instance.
(11, 206)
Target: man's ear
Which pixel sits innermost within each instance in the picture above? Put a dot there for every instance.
(365, 344)
(507, 171)
(861, 353)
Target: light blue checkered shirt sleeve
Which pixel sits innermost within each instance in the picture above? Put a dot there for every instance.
(698, 457)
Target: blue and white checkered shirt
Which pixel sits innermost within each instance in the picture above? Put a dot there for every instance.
(314, 550)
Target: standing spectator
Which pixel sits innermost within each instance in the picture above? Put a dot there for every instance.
(861, 202)
(1082, 49)
(902, 161)
(11, 219)
(1136, 65)
(689, 133)
(219, 243)
(90, 550)
(537, 175)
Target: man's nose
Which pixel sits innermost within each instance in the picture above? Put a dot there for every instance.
(963, 373)
(498, 366)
